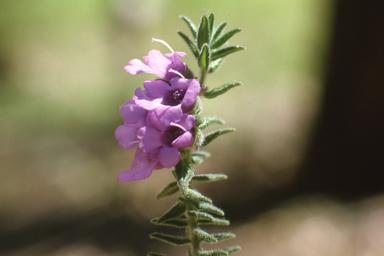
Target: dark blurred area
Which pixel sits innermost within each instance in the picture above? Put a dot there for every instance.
(305, 165)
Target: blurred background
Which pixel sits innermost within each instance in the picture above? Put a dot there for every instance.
(305, 167)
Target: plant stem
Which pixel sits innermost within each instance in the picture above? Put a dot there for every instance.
(192, 224)
(202, 76)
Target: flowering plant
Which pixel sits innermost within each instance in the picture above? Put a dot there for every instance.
(165, 121)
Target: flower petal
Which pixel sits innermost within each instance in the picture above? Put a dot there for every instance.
(151, 140)
(168, 156)
(183, 141)
(126, 136)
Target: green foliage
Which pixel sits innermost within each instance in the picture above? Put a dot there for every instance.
(233, 249)
(213, 135)
(226, 51)
(200, 215)
(204, 236)
(224, 38)
(204, 57)
(198, 157)
(220, 90)
(206, 207)
(213, 253)
(209, 177)
(176, 223)
(176, 211)
(206, 121)
(223, 236)
(171, 189)
(207, 41)
(193, 208)
(174, 240)
(215, 221)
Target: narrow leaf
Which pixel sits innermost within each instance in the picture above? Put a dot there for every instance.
(204, 236)
(171, 189)
(203, 32)
(233, 249)
(215, 221)
(204, 57)
(184, 173)
(220, 90)
(223, 236)
(214, 65)
(176, 223)
(156, 254)
(213, 135)
(200, 215)
(209, 177)
(189, 43)
(225, 52)
(213, 253)
(176, 211)
(196, 196)
(198, 157)
(224, 38)
(205, 207)
(175, 240)
(191, 26)
(210, 120)
(218, 30)
(211, 20)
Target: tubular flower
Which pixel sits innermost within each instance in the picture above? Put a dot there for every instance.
(159, 145)
(158, 64)
(178, 91)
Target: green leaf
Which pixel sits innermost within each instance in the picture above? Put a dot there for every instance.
(156, 254)
(198, 157)
(213, 253)
(224, 38)
(211, 20)
(214, 65)
(215, 221)
(176, 211)
(204, 236)
(175, 240)
(218, 30)
(171, 189)
(233, 249)
(204, 57)
(209, 177)
(176, 223)
(188, 72)
(225, 52)
(205, 121)
(196, 196)
(223, 236)
(220, 90)
(200, 215)
(203, 34)
(213, 135)
(189, 42)
(184, 173)
(191, 26)
(205, 207)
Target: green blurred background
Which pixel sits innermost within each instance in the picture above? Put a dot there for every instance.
(62, 82)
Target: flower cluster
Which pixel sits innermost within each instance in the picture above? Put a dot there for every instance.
(156, 118)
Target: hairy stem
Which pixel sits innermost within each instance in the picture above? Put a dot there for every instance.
(192, 224)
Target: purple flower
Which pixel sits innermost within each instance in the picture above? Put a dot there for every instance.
(134, 118)
(166, 138)
(178, 92)
(158, 64)
(142, 166)
(159, 146)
